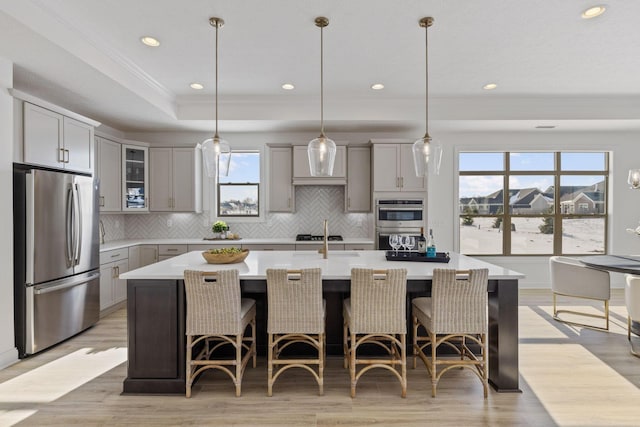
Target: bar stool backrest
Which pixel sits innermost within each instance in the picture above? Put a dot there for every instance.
(295, 301)
(213, 302)
(459, 301)
(378, 301)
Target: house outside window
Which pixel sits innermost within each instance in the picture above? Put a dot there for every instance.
(533, 203)
(239, 193)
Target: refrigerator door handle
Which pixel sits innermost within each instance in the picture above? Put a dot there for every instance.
(76, 282)
(69, 224)
(78, 225)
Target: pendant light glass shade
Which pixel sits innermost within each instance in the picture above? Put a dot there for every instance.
(216, 155)
(427, 154)
(216, 152)
(321, 150)
(634, 178)
(322, 155)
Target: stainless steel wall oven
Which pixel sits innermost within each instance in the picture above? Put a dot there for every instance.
(398, 216)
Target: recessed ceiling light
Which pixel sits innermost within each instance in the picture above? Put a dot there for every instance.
(288, 86)
(490, 86)
(196, 86)
(545, 127)
(150, 41)
(593, 12)
(377, 86)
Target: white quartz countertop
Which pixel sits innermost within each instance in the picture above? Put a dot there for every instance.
(119, 244)
(337, 267)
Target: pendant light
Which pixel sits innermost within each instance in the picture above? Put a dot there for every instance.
(216, 152)
(321, 150)
(427, 154)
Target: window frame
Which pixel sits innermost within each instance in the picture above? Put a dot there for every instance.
(260, 190)
(557, 215)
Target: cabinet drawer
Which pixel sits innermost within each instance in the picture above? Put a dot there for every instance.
(172, 250)
(270, 247)
(114, 255)
(318, 246)
(358, 246)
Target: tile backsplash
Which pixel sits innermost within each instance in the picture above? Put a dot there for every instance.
(313, 205)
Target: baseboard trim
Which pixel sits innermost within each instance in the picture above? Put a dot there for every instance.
(8, 357)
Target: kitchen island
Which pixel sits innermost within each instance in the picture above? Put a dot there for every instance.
(156, 308)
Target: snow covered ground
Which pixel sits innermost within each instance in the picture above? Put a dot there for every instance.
(580, 236)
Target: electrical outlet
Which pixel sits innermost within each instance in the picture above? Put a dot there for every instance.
(169, 223)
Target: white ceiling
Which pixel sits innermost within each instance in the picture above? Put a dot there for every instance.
(552, 67)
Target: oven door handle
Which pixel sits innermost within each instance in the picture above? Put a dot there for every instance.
(388, 208)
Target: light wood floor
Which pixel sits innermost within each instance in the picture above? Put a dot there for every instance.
(570, 376)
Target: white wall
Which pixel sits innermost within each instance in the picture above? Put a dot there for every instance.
(8, 351)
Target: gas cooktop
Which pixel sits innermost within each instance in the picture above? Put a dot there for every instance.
(314, 238)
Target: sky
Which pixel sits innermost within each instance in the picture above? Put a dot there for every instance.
(544, 161)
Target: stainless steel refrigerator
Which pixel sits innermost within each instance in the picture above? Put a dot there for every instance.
(56, 256)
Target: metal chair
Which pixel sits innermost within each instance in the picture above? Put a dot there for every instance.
(376, 314)
(296, 315)
(217, 317)
(571, 278)
(454, 315)
(632, 300)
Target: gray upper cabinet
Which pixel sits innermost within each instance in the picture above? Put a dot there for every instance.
(358, 192)
(280, 180)
(108, 167)
(175, 180)
(393, 169)
(57, 141)
(135, 178)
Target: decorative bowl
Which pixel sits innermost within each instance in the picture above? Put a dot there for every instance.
(225, 258)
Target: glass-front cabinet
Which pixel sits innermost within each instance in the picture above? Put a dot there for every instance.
(135, 178)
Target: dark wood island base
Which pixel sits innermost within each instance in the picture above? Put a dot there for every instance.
(156, 330)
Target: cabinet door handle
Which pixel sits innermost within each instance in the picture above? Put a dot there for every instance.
(102, 201)
(401, 181)
(61, 155)
(348, 202)
(66, 155)
(289, 202)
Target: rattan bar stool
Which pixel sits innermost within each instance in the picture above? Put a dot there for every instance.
(376, 314)
(296, 314)
(217, 317)
(455, 314)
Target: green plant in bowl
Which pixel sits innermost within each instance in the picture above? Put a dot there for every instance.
(219, 226)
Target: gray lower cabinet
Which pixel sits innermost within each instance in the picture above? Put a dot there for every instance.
(169, 251)
(142, 255)
(113, 290)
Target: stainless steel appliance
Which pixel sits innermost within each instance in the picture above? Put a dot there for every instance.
(397, 216)
(56, 256)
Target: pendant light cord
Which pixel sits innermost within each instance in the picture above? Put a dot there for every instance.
(216, 134)
(321, 82)
(426, 79)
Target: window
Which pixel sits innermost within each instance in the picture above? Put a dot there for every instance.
(239, 192)
(533, 203)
